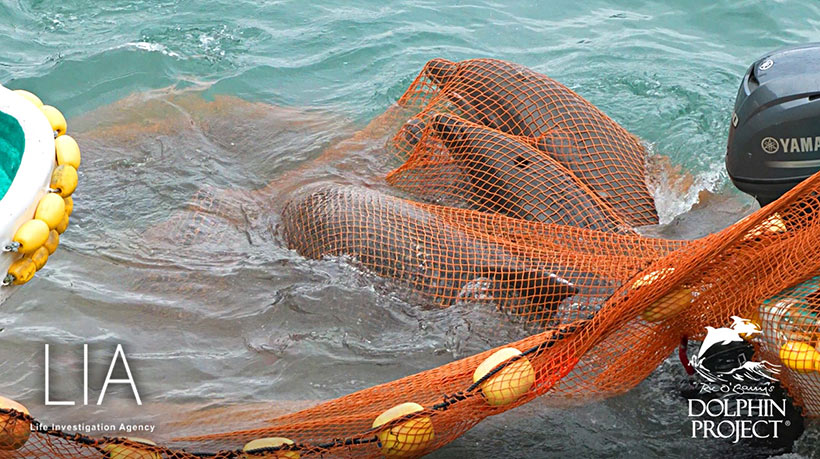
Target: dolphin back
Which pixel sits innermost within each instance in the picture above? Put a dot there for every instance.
(520, 102)
(503, 175)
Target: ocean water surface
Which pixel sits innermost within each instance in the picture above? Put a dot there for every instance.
(193, 116)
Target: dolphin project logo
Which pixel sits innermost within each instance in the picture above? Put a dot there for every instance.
(746, 374)
(734, 399)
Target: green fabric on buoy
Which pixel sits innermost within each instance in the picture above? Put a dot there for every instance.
(12, 145)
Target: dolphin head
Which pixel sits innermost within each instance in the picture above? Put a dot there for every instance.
(440, 71)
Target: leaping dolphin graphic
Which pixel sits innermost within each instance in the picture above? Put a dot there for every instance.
(723, 336)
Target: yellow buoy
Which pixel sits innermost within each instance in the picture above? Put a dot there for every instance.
(67, 151)
(271, 442)
(63, 225)
(64, 180)
(52, 242)
(29, 97)
(50, 209)
(406, 438)
(798, 356)
(668, 306)
(510, 383)
(31, 235)
(56, 119)
(121, 451)
(14, 432)
(39, 257)
(22, 270)
(772, 225)
(671, 304)
(648, 279)
(69, 205)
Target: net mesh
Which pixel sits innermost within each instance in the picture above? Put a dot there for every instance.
(516, 192)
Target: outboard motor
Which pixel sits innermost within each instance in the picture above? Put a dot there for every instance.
(774, 136)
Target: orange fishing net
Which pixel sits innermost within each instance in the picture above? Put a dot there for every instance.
(516, 192)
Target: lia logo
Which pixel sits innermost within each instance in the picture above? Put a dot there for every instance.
(119, 355)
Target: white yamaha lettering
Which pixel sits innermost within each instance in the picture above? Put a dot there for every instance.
(773, 145)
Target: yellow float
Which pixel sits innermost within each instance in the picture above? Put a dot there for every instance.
(55, 119)
(63, 225)
(14, 432)
(123, 451)
(39, 257)
(406, 438)
(52, 242)
(67, 151)
(671, 304)
(64, 180)
(30, 236)
(29, 97)
(799, 356)
(270, 442)
(51, 210)
(772, 225)
(20, 272)
(510, 383)
(69, 205)
(35, 207)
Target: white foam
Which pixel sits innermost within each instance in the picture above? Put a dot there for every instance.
(676, 192)
(152, 47)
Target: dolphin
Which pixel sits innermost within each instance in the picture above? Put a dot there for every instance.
(518, 101)
(514, 179)
(413, 130)
(409, 242)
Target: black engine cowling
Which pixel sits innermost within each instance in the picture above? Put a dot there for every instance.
(774, 135)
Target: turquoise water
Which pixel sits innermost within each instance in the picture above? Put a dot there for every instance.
(256, 322)
(12, 145)
(666, 70)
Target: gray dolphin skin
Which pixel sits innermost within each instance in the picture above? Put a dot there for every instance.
(413, 130)
(514, 179)
(521, 102)
(403, 240)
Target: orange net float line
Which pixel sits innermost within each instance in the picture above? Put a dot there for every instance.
(348, 421)
(728, 261)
